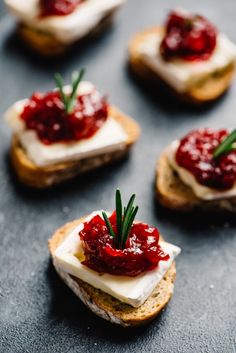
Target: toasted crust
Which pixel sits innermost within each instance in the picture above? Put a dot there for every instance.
(103, 304)
(41, 177)
(175, 195)
(208, 90)
(47, 45)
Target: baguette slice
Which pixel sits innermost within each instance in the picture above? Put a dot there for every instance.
(175, 195)
(41, 177)
(47, 45)
(103, 304)
(209, 89)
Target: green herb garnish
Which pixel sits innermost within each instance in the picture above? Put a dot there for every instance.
(69, 99)
(124, 220)
(226, 146)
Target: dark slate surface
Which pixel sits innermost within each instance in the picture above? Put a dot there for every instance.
(37, 311)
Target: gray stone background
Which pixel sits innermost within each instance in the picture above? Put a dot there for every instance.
(38, 313)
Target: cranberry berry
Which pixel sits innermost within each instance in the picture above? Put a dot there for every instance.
(142, 251)
(46, 115)
(195, 154)
(189, 37)
(58, 7)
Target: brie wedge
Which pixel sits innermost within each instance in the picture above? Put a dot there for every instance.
(130, 290)
(201, 191)
(67, 29)
(110, 137)
(182, 75)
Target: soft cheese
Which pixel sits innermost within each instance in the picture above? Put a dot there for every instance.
(69, 28)
(110, 137)
(182, 75)
(199, 190)
(130, 290)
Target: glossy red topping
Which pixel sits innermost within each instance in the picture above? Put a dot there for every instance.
(45, 114)
(142, 251)
(189, 37)
(58, 7)
(195, 154)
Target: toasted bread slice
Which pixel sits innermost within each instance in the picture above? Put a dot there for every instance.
(206, 91)
(45, 44)
(41, 177)
(175, 195)
(103, 304)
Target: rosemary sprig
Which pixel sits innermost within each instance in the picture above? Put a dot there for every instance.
(226, 146)
(119, 215)
(69, 99)
(124, 220)
(128, 224)
(108, 224)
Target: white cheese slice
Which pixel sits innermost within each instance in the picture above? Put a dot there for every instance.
(69, 28)
(110, 137)
(130, 290)
(182, 75)
(201, 191)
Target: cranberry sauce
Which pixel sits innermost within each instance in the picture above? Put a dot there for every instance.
(142, 251)
(45, 114)
(58, 7)
(189, 37)
(195, 153)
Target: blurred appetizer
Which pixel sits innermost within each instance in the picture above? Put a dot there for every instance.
(120, 268)
(65, 132)
(199, 171)
(188, 54)
(52, 26)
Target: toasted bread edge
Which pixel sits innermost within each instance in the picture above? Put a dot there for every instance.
(48, 45)
(42, 177)
(208, 91)
(172, 193)
(103, 304)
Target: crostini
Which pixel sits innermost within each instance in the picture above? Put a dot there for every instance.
(199, 172)
(68, 131)
(188, 54)
(120, 268)
(52, 27)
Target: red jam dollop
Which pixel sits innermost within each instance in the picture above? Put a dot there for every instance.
(142, 251)
(45, 114)
(58, 7)
(189, 37)
(195, 153)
